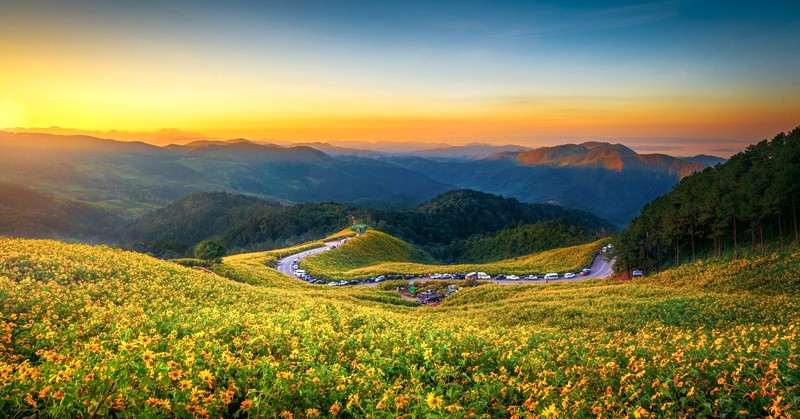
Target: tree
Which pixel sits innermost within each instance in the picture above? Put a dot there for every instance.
(210, 250)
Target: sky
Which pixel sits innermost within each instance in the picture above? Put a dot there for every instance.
(674, 76)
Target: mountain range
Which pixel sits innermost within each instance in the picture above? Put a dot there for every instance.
(134, 177)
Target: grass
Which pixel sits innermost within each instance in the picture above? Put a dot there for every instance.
(92, 330)
(380, 254)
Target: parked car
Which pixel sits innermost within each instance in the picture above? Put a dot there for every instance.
(638, 273)
(500, 277)
(513, 278)
(551, 276)
(569, 275)
(482, 275)
(333, 283)
(409, 276)
(530, 277)
(585, 271)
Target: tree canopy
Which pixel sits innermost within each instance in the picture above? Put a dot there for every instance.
(748, 202)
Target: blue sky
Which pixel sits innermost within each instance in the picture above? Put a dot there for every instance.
(463, 71)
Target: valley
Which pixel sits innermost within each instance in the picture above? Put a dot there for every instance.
(99, 330)
(399, 209)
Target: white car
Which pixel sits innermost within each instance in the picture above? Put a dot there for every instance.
(513, 277)
(482, 275)
(551, 276)
(569, 275)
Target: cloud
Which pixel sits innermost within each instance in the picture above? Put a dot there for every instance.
(655, 147)
(595, 20)
(725, 150)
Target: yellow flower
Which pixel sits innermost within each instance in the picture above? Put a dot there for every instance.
(312, 413)
(148, 356)
(246, 405)
(205, 375)
(550, 411)
(352, 400)
(335, 409)
(433, 401)
(175, 375)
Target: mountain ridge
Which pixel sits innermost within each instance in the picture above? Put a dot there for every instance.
(609, 156)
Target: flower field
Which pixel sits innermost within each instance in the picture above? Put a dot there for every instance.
(91, 331)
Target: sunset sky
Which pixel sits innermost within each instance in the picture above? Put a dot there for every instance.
(669, 76)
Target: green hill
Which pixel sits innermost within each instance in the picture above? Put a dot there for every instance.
(96, 331)
(370, 248)
(375, 253)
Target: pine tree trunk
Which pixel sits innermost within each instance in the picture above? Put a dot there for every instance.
(761, 236)
(735, 241)
(658, 250)
(677, 251)
(794, 215)
(780, 231)
(752, 237)
(693, 255)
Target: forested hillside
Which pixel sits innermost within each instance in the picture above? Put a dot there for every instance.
(449, 226)
(443, 224)
(240, 222)
(28, 213)
(747, 204)
(522, 240)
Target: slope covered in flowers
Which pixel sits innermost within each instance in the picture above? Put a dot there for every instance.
(91, 330)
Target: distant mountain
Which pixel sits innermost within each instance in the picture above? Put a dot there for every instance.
(704, 159)
(135, 176)
(473, 151)
(388, 147)
(608, 179)
(603, 155)
(161, 137)
(335, 151)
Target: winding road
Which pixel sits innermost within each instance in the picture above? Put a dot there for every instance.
(599, 268)
(285, 264)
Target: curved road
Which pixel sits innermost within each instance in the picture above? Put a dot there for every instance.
(285, 264)
(599, 269)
